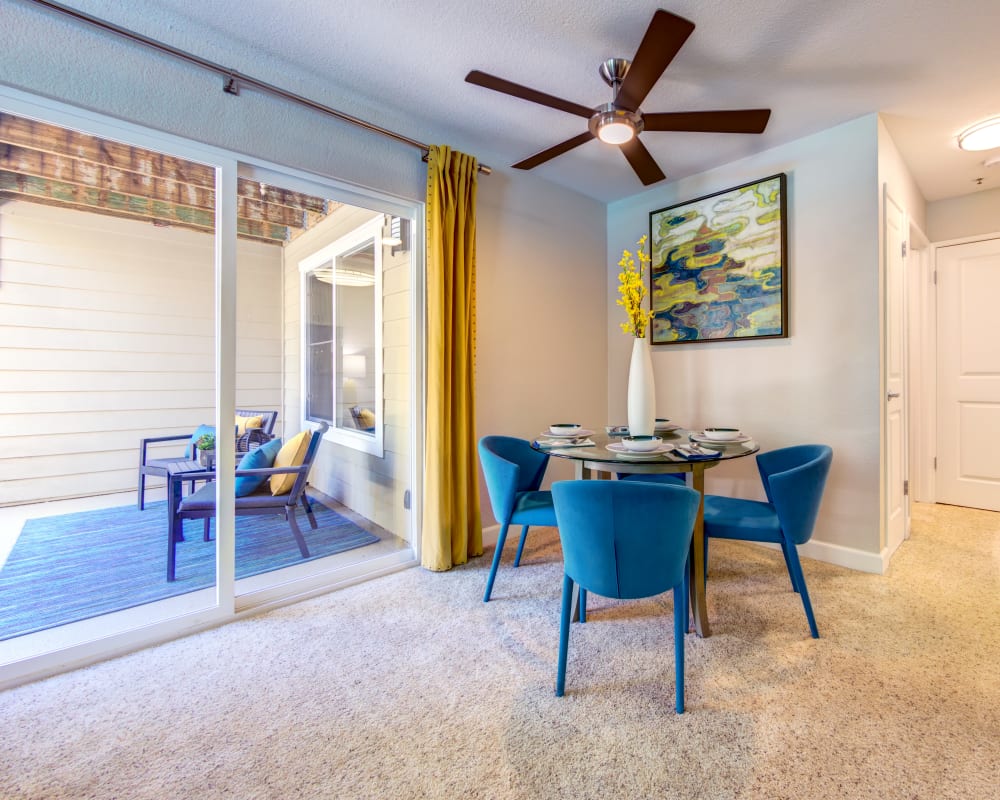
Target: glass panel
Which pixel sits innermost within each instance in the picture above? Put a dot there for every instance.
(355, 290)
(319, 293)
(108, 347)
(320, 345)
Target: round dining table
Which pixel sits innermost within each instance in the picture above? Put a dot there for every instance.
(598, 454)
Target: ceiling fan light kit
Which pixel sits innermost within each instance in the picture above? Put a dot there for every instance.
(621, 121)
(983, 135)
(615, 125)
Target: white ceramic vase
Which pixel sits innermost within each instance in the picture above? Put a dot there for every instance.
(641, 390)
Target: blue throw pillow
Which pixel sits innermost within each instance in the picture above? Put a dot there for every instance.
(202, 429)
(261, 458)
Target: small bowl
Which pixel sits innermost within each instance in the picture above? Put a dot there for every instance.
(722, 434)
(641, 444)
(564, 428)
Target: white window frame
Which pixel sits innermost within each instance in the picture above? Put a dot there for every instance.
(358, 440)
(61, 649)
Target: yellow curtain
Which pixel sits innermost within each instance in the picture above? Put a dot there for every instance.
(452, 528)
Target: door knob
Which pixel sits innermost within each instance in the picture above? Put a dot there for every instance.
(892, 395)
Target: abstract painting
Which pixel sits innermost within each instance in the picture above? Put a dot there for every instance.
(719, 269)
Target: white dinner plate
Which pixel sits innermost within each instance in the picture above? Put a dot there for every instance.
(699, 436)
(577, 434)
(620, 449)
(667, 426)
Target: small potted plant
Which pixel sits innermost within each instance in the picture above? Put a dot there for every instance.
(206, 450)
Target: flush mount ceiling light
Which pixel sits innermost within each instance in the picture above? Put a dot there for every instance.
(983, 135)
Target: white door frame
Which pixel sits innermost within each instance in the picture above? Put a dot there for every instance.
(922, 362)
(938, 248)
(896, 424)
(925, 418)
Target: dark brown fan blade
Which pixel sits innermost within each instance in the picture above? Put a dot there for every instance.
(516, 90)
(749, 120)
(642, 162)
(665, 35)
(552, 152)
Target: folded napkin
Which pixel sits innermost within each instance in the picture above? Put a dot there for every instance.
(692, 454)
(564, 443)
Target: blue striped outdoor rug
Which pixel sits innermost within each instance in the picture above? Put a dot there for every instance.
(74, 566)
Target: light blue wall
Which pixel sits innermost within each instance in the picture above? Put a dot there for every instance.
(821, 383)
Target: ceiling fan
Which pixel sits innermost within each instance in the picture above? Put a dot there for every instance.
(621, 121)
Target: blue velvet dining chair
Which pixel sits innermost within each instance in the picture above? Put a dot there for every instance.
(794, 479)
(514, 472)
(625, 539)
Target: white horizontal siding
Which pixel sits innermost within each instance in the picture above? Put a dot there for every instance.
(374, 487)
(107, 336)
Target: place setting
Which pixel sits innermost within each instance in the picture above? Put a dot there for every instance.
(565, 434)
(640, 447)
(711, 442)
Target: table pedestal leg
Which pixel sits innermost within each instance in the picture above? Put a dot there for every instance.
(698, 601)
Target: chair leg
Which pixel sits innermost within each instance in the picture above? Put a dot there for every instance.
(567, 594)
(680, 625)
(207, 535)
(520, 545)
(309, 511)
(501, 539)
(788, 563)
(795, 568)
(296, 532)
(142, 491)
(686, 588)
(583, 604)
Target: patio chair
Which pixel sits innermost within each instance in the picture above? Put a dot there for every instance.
(201, 504)
(364, 419)
(157, 467)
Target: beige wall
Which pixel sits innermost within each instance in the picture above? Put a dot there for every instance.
(821, 383)
(542, 348)
(107, 336)
(969, 215)
(894, 173)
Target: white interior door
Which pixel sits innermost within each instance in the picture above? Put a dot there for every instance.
(896, 500)
(968, 373)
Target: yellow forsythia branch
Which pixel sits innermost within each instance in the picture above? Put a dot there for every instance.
(632, 290)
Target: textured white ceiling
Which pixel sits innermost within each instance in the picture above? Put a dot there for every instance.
(931, 68)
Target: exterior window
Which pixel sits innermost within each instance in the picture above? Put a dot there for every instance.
(342, 337)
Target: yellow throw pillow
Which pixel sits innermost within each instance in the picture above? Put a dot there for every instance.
(291, 454)
(367, 418)
(242, 423)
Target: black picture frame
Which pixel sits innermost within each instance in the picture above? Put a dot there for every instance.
(719, 265)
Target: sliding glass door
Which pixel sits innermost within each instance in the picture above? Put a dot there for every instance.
(155, 290)
(109, 309)
(344, 303)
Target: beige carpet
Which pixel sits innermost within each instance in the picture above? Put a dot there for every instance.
(411, 687)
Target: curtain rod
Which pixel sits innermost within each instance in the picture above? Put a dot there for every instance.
(234, 80)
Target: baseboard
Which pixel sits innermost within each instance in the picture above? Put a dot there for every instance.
(875, 563)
